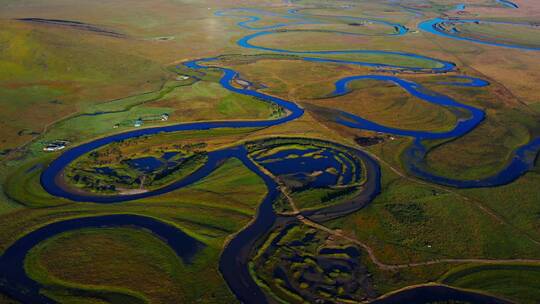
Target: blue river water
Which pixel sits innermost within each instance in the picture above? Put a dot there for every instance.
(463, 126)
(235, 257)
(434, 26)
(508, 3)
(443, 66)
(468, 82)
(246, 24)
(438, 294)
(314, 168)
(523, 159)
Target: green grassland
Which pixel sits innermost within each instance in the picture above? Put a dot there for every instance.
(486, 149)
(342, 27)
(317, 198)
(309, 41)
(101, 119)
(23, 186)
(379, 101)
(390, 59)
(387, 104)
(183, 102)
(516, 203)
(287, 76)
(366, 10)
(131, 253)
(482, 152)
(209, 101)
(52, 74)
(516, 281)
(502, 33)
(410, 222)
(63, 83)
(209, 210)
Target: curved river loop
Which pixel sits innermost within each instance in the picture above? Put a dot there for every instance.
(237, 253)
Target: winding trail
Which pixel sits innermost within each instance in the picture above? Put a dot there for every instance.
(236, 254)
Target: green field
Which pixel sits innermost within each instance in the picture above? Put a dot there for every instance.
(513, 281)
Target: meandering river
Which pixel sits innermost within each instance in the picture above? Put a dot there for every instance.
(236, 255)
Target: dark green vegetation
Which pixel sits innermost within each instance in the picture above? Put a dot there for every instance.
(300, 263)
(110, 170)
